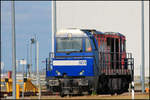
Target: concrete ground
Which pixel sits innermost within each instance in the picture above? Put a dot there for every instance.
(122, 96)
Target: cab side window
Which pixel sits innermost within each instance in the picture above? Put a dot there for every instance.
(88, 47)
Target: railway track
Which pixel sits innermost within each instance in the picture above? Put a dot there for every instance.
(3, 94)
(44, 92)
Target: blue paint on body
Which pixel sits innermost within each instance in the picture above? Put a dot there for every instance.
(73, 70)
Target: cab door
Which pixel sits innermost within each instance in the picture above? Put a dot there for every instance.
(91, 50)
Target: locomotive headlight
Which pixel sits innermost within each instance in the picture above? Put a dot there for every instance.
(81, 73)
(58, 73)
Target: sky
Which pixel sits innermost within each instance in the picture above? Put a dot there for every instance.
(32, 17)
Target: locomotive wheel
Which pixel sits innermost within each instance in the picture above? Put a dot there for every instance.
(103, 85)
(62, 94)
(125, 85)
(112, 92)
(90, 92)
(99, 87)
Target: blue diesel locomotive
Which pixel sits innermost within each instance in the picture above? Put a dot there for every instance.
(76, 66)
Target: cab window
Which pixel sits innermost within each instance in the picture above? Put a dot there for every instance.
(88, 47)
(69, 44)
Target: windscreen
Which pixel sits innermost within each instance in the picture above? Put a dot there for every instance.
(69, 44)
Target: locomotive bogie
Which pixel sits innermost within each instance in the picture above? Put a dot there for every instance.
(114, 84)
(71, 85)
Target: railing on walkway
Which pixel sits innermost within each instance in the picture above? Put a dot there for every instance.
(112, 63)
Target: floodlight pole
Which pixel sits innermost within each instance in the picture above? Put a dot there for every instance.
(23, 80)
(54, 28)
(27, 65)
(37, 64)
(30, 67)
(35, 56)
(13, 48)
(142, 40)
